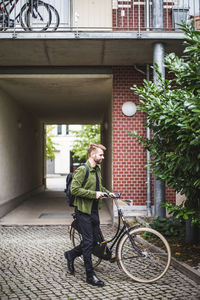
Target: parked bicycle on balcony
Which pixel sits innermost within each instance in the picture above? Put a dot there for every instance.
(34, 15)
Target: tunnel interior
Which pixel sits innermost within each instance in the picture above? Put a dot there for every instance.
(27, 103)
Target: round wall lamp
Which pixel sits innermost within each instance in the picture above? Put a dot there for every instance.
(129, 108)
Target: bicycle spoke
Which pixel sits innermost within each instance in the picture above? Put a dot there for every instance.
(41, 18)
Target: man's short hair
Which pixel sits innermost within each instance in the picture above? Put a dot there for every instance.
(93, 147)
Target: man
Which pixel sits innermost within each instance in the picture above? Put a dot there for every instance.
(87, 203)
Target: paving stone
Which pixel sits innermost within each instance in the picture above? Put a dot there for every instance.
(33, 267)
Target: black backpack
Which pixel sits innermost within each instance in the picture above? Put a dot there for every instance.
(69, 196)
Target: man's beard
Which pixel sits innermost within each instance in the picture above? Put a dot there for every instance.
(98, 161)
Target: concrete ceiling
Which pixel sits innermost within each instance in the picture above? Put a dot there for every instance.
(63, 52)
(61, 98)
(65, 97)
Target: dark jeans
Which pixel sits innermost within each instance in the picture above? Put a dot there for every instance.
(89, 225)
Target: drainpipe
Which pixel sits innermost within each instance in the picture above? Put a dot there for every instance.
(158, 58)
(147, 15)
(149, 210)
(71, 21)
(159, 186)
(148, 133)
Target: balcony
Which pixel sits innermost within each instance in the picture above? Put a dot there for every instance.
(67, 33)
(105, 16)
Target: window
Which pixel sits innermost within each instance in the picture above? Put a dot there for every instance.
(59, 129)
(67, 129)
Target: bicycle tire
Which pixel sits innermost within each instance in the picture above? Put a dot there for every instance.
(75, 237)
(23, 17)
(44, 10)
(156, 260)
(2, 27)
(55, 18)
(3, 23)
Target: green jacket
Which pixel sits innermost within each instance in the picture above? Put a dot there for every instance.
(85, 195)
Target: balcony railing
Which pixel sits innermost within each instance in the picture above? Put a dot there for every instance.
(94, 15)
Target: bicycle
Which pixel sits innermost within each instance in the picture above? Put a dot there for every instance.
(34, 15)
(141, 252)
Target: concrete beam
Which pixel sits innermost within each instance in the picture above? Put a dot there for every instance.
(94, 35)
(78, 71)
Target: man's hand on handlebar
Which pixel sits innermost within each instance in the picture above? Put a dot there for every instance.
(105, 195)
(112, 195)
(100, 195)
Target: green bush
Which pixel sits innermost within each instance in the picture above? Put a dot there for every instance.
(168, 226)
(183, 213)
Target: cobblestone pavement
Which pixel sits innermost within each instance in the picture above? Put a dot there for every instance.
(33, 267)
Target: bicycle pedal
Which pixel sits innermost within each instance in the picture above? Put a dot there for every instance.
(113, 259)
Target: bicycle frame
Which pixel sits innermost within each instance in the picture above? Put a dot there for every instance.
(4, 9)
(124, 230)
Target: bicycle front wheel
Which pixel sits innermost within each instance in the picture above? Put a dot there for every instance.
(55, 18)
(38, 16)
(144, 255)
(76, 240)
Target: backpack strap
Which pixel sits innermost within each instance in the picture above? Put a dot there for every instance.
(86, 175)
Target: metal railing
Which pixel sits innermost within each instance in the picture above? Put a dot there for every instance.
(98, 15)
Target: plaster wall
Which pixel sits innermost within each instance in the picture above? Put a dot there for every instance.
(106, 139)
(21, 158)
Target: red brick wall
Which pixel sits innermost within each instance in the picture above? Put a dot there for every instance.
(129, 173)
(132, 20)
(134, 16)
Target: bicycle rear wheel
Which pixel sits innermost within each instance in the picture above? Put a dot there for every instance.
(144, 256)
(75, 237)
(38, 16)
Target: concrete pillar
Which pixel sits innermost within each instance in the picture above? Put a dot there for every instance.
(158, 58)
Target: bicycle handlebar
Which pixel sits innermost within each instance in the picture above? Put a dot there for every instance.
(117, 196)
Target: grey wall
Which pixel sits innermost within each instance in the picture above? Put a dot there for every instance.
(106, 134)
(21, 154)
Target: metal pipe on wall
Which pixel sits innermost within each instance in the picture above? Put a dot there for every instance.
(71, 14)
(149, 210)
(147, 15)
(158, 58)
(159, 186)
(148, 134)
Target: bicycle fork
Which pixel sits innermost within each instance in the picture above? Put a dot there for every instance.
(138, 250)
(35, 13)
(34, 9)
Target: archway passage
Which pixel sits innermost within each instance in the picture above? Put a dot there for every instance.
(60, 98)
(27, 102)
